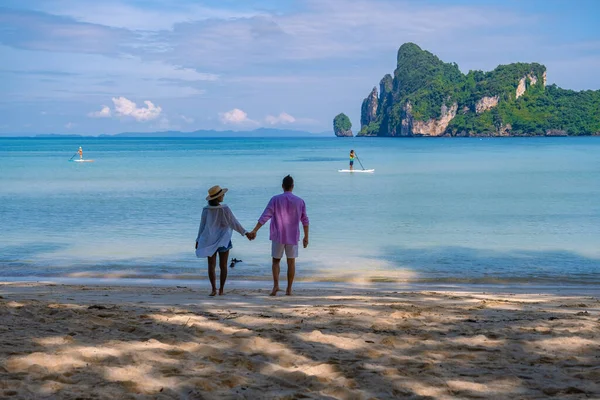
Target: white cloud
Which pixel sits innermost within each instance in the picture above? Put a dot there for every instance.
(187, 119)
(282, 119)
(49, 32)
(104, 113)
(328, 30)
(69, 125)
(81, 77)
(127, 108)
(240, 117)
(236, 117)
(118, 14)
(159, 70)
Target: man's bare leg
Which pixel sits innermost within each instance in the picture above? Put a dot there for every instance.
(276, 268)
(291, 272)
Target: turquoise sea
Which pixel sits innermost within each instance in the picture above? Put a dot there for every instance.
(490, 210)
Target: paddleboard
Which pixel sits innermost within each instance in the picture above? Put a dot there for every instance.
(369, 171)
(81, 160)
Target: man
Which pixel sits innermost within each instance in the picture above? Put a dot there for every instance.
(80, 152)
(286, 211)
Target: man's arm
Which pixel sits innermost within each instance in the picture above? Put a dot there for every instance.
(305, 222)
(252, 234)
(266, 215)
(305, 240)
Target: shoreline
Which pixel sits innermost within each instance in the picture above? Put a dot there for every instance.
(161, 342)
(203, 284)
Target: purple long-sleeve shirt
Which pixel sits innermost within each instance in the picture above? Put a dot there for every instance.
(286, 212)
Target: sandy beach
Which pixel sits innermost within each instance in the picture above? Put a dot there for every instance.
(136, 342)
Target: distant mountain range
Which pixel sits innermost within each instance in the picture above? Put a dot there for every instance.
(256, 133)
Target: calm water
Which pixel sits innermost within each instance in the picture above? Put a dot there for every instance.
(439, 210)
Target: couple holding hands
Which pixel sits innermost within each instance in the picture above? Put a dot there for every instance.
(286, 211)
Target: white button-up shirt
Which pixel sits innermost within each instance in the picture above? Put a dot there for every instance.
(216, 227)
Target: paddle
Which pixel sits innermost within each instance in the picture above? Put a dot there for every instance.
(73, 156)
(358, 159)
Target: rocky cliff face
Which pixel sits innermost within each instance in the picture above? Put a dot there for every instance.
(386, 86)
(368, 111)
(544, 80)
(531, 79)
(435, 126)
(344, 133)
(432, 127)
(406, 124)
(486, 103)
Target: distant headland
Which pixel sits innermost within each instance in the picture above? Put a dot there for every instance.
(427, 97)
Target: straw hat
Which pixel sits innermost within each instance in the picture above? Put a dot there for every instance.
(215, 192)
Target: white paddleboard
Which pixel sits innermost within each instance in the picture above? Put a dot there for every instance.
(82, 160)
(369, 171)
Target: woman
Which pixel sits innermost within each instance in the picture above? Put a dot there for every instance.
(214, 235)
(352, 156)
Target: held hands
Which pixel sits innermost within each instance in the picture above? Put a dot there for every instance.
(252, 236)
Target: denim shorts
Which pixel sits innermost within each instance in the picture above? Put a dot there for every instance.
(223, 249)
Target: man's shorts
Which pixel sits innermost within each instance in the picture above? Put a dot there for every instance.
(277, 250)
(351, 163)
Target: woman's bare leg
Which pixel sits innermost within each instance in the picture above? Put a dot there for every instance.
(212, 274)
(223, 257)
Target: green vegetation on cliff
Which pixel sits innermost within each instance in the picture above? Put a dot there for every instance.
(428, 97)
(425, 81)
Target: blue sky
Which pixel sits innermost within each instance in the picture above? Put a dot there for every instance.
(90, 67)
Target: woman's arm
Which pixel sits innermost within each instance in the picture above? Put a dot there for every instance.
(233, 222)
(202, 225)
